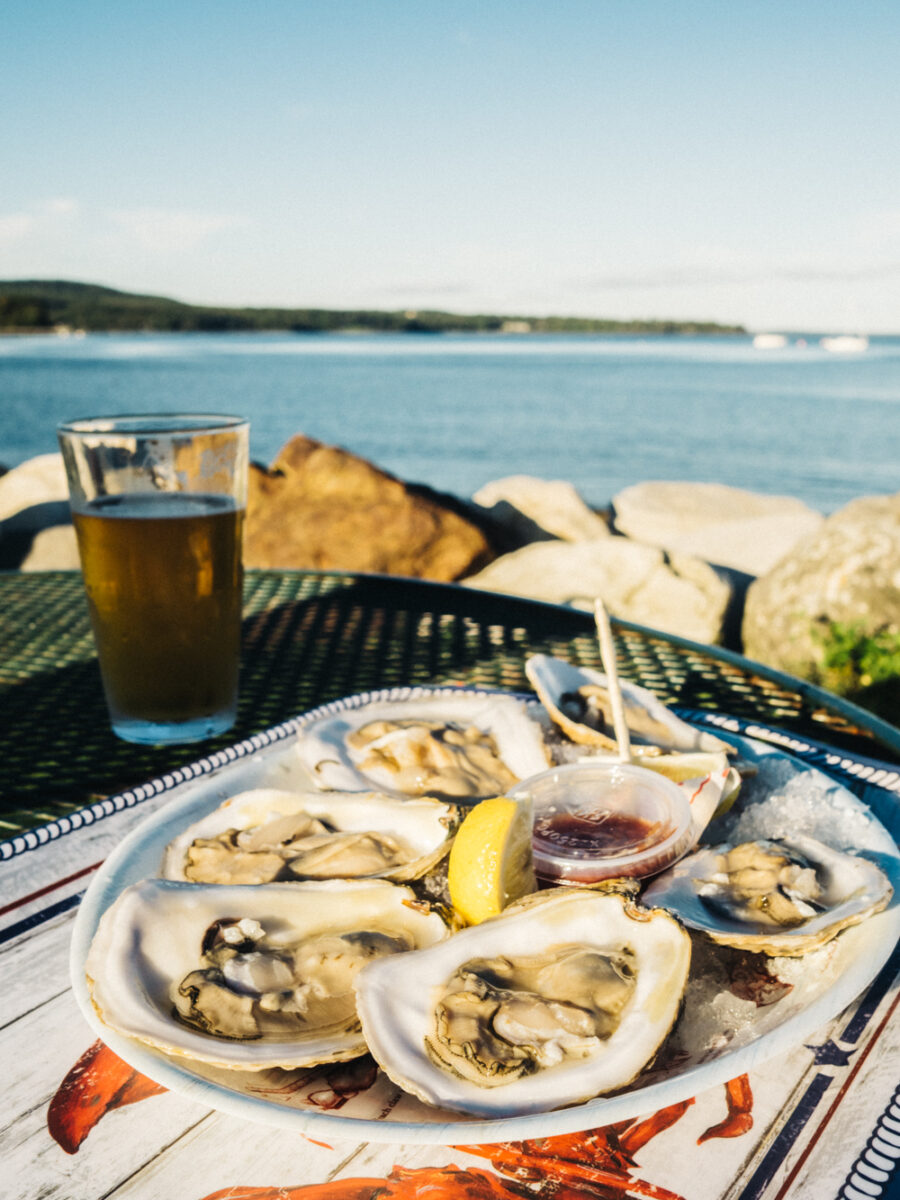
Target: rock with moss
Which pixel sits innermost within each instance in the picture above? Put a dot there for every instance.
(830, 611)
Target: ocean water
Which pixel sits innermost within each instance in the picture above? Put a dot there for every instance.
(455, 411)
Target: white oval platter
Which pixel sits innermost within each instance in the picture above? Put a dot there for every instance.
(355, 1102)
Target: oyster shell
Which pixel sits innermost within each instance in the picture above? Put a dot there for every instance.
(782, 896)
(461, 748)
(578, 702)
(266, 835)
(248, 977)
(696, 766)
(566, 995)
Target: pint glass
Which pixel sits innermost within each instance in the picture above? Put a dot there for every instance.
(158, 504)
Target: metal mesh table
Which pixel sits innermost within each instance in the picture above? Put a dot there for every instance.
(310, 637)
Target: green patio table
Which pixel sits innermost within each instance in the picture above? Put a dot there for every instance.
(81, 1124)
(310, 637)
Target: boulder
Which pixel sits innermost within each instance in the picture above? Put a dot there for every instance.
(747, 531)
(320, 506)
(53, 549)
(677, 594)
(36, 481)
(848, 573)
(33, 497)
(535, 509)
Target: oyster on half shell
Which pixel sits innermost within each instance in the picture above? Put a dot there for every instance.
(267, 835)
(460, 748)
(577, 699)
(249, 977)
(566, 995)
(783, 896)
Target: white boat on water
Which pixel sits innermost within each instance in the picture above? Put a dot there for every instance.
(769, 341)
(845, 343)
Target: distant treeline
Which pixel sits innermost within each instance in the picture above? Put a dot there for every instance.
(46, 305)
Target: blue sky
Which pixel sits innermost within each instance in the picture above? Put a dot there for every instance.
(733, 162)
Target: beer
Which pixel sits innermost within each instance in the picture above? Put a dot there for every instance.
(158, 503)
(163, 578)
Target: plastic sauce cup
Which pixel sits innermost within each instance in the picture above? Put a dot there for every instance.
(603, 820)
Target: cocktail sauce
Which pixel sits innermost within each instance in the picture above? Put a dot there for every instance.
(600, 832)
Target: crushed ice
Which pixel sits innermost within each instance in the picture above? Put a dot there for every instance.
(782, 800)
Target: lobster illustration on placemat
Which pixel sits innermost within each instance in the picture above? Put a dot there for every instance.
(598, 1163)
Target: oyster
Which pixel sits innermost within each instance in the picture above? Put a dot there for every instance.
(267, 835)
(782, 896)
(459, 748)
(578, 701)
(566, 995)
(248, 977)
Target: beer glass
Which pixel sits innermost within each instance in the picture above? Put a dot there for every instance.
(158, 504)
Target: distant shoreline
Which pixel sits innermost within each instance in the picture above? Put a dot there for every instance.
(54, 306)
(56, 332)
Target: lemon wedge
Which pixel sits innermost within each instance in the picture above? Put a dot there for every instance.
(490, 861)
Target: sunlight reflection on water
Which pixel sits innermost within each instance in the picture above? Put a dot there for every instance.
(456, 411)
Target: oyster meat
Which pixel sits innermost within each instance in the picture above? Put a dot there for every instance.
(267, 835)
(500, 1018)
(461, 748)
(249, 977)
(577, 700)
(783, 896)
(422, 757)
(566, 995)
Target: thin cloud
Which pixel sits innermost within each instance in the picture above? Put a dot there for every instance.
(880, 228)
(42, 218)
(15, 227)
(61, 206)
(427, 289)
(159, 229)
(711, 276)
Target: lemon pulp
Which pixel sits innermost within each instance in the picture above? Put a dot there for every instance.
(490, 861)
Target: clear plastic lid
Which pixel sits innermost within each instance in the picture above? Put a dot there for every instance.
(599, 820)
